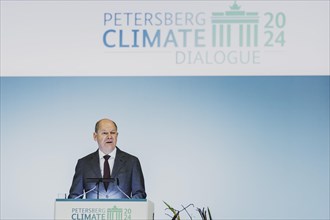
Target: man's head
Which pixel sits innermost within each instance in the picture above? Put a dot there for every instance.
(106, 135)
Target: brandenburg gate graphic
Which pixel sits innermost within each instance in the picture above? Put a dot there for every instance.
(115, 213)
(223, 24)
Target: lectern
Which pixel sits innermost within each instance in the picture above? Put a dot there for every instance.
(104, 209)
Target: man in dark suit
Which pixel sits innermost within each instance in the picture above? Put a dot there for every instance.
(126, 180)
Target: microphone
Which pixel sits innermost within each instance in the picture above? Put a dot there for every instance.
(86, 192)
(98, 181)
(117, 184)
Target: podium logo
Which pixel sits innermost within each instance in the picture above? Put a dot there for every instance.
(115, 213)
(229, 36)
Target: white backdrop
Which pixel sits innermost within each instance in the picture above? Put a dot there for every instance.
(66, 38)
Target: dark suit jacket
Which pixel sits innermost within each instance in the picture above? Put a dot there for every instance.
(126, 170)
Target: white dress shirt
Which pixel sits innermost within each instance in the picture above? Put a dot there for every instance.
(111, 160)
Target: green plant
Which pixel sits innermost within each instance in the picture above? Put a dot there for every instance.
(205, 214)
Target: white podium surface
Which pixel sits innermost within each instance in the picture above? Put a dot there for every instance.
(104, 209)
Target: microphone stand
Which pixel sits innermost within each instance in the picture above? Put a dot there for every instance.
(98, 189)
(98, 181)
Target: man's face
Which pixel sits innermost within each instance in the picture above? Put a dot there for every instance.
(106, 136)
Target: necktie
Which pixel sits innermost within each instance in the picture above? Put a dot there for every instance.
(106, 171)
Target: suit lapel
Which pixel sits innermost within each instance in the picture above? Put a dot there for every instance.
(95, 164)
(120, 161)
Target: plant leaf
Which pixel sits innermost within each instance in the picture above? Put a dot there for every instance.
(176, 216)
(170, 208)
(175, 212)
(208, 210)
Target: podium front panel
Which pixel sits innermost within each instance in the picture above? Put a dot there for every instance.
(103, 209)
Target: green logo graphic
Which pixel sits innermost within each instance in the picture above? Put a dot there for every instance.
(241, 28)
(115, 213)
(223, 24)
